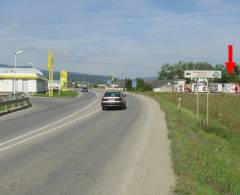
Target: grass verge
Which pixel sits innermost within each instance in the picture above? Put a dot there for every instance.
(2, 108)
(205, 161)
(67, 93)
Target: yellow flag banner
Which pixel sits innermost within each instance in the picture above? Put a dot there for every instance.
(50, 61)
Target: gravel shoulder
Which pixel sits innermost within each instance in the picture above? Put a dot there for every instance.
(153, 173)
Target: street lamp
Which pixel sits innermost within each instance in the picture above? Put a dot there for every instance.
(15, 76)
(30, 63)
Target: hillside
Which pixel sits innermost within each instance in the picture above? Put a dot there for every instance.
(74, 76)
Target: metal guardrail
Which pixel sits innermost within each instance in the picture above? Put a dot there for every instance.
(11, 96)
(10, 103)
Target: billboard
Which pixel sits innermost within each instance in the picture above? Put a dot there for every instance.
(56, 84)
(63, 76)
(63, 79)
(231, 88)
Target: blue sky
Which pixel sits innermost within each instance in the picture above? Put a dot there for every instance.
(110, 37)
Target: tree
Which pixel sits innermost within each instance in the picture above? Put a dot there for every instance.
(176, 71)
(142, 86)
(128, 84)
(226, 78)
(94, 85)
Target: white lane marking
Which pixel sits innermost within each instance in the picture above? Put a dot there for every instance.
(36, 130)
(49, 131)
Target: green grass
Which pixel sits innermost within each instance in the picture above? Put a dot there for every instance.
(67, 93)
(223, 107)
(206, 161)
(2, 108)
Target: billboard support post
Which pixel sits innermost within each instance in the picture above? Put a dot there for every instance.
(202, 74)
(207, 103)
(197, 104)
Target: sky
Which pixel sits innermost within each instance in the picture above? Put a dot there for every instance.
(111, 37)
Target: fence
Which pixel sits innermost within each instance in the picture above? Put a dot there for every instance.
(10, 103)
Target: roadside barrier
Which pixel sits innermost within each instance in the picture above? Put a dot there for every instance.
(11, 103)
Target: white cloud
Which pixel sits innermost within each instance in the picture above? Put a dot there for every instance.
(122, 36)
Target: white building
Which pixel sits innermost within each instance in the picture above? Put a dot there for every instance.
(164, 88)
(28, 80)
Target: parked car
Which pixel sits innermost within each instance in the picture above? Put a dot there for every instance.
(84, 89)
(113, 99)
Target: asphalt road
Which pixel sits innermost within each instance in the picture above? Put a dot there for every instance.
(71, 146)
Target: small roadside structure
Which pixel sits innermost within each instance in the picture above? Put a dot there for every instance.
(158, 85)
(167, 86)
(26, 80)
(101, 86)
(179, 85)
(118, 85)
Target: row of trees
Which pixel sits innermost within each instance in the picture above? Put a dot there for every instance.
(176, 71)
(140, 85)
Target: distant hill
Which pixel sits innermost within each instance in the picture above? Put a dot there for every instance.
(4, 65)
(73, 76)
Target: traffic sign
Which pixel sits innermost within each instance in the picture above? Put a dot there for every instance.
(134, 83)
(202, 74)
(109, 82)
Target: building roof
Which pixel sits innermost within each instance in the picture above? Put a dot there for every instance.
(21, 73)
(160, 83)
(156, 83)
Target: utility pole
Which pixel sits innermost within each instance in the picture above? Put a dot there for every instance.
(197, 103)
(207, 102)
(122, 82)
(112, 82)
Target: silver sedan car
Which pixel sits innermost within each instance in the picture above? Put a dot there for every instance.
(113, 99)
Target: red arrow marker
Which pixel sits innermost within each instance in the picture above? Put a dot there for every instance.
(230, 64)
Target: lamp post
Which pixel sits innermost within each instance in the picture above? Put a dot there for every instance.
(30, 63)
(15, 76)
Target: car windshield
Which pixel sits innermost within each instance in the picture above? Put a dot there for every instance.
(112, 94)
